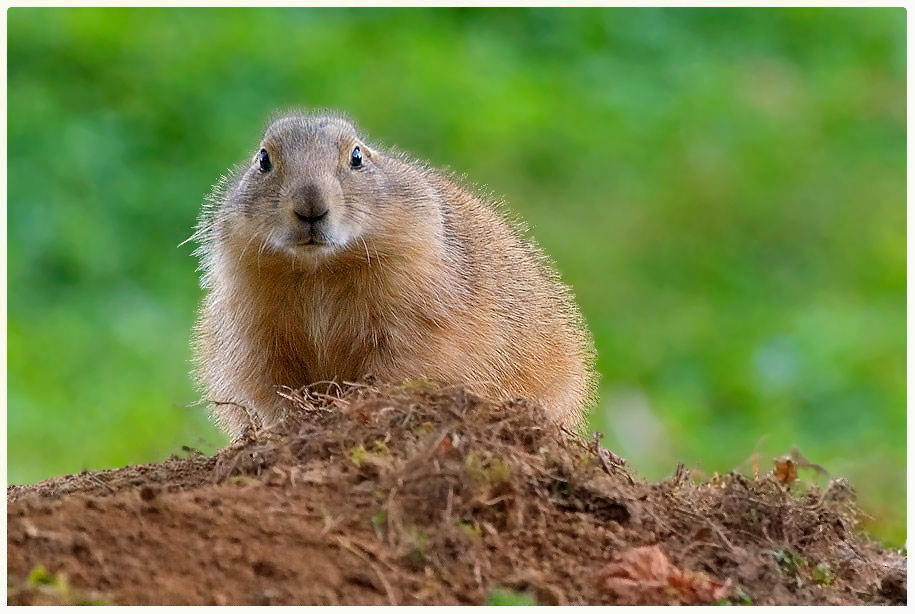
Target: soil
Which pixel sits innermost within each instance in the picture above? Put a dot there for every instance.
(419, 494)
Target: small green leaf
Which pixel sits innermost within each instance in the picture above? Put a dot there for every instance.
(501, 596)
(42, 577)
(822, 574)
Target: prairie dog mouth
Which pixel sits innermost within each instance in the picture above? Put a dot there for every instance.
(311, 247)
(307, 238)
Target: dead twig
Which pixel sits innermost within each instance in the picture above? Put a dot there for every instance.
(384, 581)
(714, 527)
(608, 459)
(681, 476)
(252, 421)
(95, 479)
(448, 505)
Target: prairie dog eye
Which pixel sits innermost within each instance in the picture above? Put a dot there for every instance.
(356, 158)
(263, 161)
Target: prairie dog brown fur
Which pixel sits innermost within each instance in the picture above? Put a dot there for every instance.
(326, 258)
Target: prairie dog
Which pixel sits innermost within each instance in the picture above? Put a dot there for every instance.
(326, 258)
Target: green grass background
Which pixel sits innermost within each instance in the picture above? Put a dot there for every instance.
(724, 189)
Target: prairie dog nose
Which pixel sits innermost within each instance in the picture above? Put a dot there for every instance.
(310, 204)
(310, 218)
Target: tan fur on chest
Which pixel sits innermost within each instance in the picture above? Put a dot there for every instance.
(312, 330)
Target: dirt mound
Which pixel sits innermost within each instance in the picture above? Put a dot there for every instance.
(427, 495)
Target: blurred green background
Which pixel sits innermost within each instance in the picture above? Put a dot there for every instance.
(724, 189)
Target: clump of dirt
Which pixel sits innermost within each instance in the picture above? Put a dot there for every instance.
(419, 494)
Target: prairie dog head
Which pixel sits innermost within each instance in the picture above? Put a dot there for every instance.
(311, 190)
